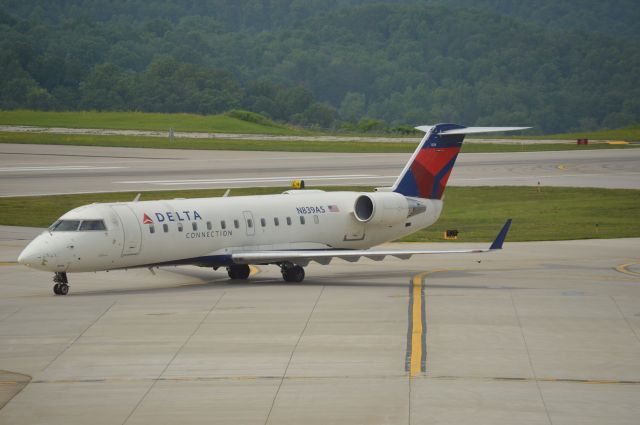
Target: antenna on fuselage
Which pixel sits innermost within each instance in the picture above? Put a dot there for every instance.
(137, 198)
(226, 193)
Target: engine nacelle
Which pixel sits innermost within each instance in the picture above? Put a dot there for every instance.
(385, 208)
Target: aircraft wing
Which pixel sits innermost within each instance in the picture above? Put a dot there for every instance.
(325, 256)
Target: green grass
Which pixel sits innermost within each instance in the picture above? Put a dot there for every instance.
(205, 144)
(142, 121)
(554, 213)
(631, 133)
(271, 145)
(477, 212)
(226, 124)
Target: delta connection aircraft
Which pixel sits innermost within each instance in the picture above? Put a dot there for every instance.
(289, 230)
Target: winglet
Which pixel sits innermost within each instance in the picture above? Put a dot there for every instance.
(499, 240)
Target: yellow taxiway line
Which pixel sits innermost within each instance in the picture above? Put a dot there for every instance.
(624, 268)
(416, 356)
(417, 326)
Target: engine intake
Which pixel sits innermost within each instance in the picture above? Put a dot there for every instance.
(364, 208)
(385, 208)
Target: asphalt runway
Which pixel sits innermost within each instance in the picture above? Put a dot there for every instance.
(539, 333)
(41, 169)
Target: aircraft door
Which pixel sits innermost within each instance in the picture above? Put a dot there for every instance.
(249, 223)
(131, 228)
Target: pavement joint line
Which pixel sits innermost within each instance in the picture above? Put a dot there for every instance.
(284, 374)
(526, 346)
(625, 318)
(540, 379)
(79, 336)
(14, 383)
(624, 268)
(11, 314)
(330, 377)
(155, 381)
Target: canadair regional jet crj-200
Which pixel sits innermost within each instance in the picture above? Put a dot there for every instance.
(289, 230)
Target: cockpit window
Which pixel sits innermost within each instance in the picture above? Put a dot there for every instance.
(75, 225)
(92, 225)
(65, 226)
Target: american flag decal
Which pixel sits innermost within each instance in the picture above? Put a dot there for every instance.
(333, 208)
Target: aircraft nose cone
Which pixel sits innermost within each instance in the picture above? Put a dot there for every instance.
(30, 256)
(26, 257)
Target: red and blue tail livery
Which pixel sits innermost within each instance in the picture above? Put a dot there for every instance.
(427, 172)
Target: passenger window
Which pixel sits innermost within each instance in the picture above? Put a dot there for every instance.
(152, 229)
(288, 221)
(316, 219)
(209, 225)
(165, 227)
(276, 221)
(92, 225)
(249, 222)
(179, 227)
(301, 219)
(236, 224)
(223, 224)
(263, 222)
(194, 226)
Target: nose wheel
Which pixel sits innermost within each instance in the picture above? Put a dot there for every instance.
(292, 272)
(61, 286)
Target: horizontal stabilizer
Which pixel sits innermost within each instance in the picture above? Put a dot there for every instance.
(471, 130)
(474, 130)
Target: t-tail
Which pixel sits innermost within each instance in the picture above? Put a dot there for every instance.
(427, 172)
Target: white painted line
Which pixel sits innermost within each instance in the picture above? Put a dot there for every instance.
(553, 176)
(59, 168)
(251, 180)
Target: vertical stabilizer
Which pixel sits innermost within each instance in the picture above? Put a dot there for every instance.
(427, 172)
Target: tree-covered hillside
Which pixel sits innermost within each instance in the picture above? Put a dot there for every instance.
(327, 62)
(613, 17)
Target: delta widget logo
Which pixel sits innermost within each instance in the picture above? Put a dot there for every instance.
(146, 219)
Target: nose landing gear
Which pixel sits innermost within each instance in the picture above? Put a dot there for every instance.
(61, 286)
(292, 272)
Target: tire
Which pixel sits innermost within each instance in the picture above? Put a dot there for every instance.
(56, 289)
(293, 274)
(64, 289)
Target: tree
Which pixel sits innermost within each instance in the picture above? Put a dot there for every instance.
(352, 107)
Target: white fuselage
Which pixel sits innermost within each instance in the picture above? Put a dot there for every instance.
(208, 230)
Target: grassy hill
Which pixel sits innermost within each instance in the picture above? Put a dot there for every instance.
(222, 123)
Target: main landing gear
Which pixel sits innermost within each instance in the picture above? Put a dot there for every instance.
(292, 272)
(61, 286)
(239, 271)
